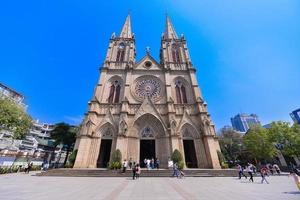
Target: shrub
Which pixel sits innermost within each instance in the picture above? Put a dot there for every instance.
(176, 156)
(72, 159)
(116, 156)
(114, 165)
(180, 165)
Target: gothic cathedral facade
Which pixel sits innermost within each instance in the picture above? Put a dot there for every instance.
(147, 109)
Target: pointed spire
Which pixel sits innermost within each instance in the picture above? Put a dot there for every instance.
(169, 31)
(126, 30)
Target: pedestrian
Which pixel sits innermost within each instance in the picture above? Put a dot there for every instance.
(148, 164)
(138, 171)
(133, 172)
(264, 173)
(130, 163)
(276, 168)
(125, 163)
(296, 178)
(270, 167)
(175, 170)
(145, 162)
(30, 167)
(157, 163)
(250, 171)
(26, 167)
(241, 171)
(170, 163)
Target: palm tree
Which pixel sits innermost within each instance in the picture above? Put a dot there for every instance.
(64, 134)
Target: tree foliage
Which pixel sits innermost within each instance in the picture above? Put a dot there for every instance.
(286, 138)
(258, 144)
(14, 119)
(176, 156)
(116, 156)
(64, 134)
(230, 143)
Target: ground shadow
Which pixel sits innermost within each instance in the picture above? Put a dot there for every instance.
(293, 192)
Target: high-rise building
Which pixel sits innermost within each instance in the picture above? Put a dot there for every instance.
(7, 92)
(242, 122)
(295, 115)
(147, 108)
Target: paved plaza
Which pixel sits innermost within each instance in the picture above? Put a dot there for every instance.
(21, 186)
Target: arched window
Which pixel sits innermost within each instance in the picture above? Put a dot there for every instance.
(121, 53)
(114, 93)
(175, 54)
(180, 93)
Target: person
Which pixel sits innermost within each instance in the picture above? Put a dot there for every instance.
(241, 171)
(148, 164)
(152, 163)
(124, 165)
(250, 171)
(145, 162)
(134, 172)
(276, 168)
(270, 167)
(264, 173)
(181, 174)
(170, 163)
(130, 163)
(29, 167)
(26, 167)
(175, 170)
(138, 171)
(296, 178)
(157, 163)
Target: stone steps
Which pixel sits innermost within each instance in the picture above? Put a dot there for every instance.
(144, 173)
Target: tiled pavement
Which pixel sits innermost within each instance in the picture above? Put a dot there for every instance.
(21, 187)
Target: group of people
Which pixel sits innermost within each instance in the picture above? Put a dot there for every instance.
(266, 170)
(251, 170)
(151, 163)
(135, 167)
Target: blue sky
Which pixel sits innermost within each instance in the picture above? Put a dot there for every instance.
(247, 53)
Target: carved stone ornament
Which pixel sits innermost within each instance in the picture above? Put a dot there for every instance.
(123, 128)
(147, 86)
(147, 132)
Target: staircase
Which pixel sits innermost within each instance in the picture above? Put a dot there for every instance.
(145, 173)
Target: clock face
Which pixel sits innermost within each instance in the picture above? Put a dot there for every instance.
(121, 46)
(147, 87)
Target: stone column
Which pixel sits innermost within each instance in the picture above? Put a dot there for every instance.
(83, 152)
(211, 147)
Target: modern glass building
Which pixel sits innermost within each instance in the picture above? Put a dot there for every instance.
(242, 122)
(295, 115)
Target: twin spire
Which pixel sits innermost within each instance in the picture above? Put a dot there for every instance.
(169, 32)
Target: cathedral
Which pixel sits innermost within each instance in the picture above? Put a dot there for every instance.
(147, 108)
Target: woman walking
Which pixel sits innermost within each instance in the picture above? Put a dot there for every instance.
(264, 173)
(250, 171)
(138, 171)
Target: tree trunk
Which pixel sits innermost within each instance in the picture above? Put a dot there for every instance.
(67, 155)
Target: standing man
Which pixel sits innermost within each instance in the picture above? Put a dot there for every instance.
(124, 165)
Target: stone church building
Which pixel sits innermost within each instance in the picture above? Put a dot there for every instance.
(147, 108)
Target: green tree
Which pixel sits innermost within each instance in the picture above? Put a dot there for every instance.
(230, 143)
(14, 119)
(285, 137)
(258, 144)
(64, 134)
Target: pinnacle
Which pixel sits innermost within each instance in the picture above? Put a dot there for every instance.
(170, 32)
(126, 30)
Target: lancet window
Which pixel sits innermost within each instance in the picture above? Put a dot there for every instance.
(114, 93)
(180, 93)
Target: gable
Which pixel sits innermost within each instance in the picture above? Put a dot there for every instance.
(148, 63)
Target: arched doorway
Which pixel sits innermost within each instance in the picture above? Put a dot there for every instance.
(153, 142)
(106, 134)
(188, 140)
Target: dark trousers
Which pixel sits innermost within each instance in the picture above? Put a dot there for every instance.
(134, 175)
(241, 174)
(251, 176)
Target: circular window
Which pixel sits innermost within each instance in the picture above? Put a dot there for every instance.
(148, 64)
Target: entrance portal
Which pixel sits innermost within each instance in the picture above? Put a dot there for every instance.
(147, 150)
(104, 154)
(190, 154)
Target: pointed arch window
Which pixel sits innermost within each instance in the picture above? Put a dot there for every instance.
(180, 93)
(175, 54)
(114, 93)
(121, 53)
